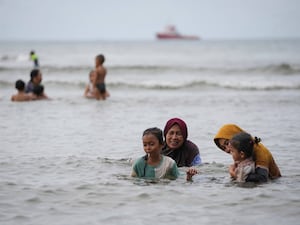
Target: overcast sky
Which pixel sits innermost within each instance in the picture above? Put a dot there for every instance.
(141, 19)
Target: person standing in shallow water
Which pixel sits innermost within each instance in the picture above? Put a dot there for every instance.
(34, 58)
(101, 91)
(265, 165)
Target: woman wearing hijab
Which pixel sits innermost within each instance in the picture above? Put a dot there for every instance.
(184, 152)
(265, 165)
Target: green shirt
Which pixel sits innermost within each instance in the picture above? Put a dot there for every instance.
(166, 168)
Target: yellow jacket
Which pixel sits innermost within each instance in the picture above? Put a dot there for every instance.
(262, 156)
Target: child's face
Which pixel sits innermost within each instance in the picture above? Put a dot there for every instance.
(236, 155)
(151, 144)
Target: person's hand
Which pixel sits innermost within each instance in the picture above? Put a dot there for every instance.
(190, 173)
(231, 170)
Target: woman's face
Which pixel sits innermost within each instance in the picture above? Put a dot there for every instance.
(223, 143)
(174, 137)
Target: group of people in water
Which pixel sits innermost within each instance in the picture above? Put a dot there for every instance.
(34, 90)
(169, 149)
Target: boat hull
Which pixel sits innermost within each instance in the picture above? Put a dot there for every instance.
(179, 37)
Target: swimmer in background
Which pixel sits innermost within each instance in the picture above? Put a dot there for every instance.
(38, 92)
(99, 83)
(21, 96)
(34, 58)
(90, 88)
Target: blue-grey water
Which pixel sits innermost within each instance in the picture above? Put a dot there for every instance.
(68, 160)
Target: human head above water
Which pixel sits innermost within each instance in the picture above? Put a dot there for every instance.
(38, 90)
(225, 133)
(175, 133)
(243, 143)
(180, 123)
(20, 85)
(100, 59)
(36, 76)
(92, 75)
(155, 132)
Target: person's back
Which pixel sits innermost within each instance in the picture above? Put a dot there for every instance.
(21, 95)
(264, 158)
(100, 77)
(100, 69)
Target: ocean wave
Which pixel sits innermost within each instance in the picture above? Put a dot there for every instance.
(195, 85)
(206, 84)
(281, 69)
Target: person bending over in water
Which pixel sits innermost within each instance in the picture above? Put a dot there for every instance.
(21, 95)
(99, 83)
(265, 165)
(241, 149)
(154, 164)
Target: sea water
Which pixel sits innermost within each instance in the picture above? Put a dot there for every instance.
(68, 160)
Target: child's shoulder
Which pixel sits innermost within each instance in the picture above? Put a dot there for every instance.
(168, 160)
(140, 160)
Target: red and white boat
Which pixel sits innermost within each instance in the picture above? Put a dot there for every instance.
(170, 32)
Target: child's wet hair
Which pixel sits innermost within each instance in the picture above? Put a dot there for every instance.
(20, 85)
(156, 132)
(243, 142)
(38, 90)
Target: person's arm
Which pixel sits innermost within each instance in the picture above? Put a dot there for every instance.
(133, 173)
(232, 171)
(196, 161)
(190, 173)
(87, 88)
(260, 175)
